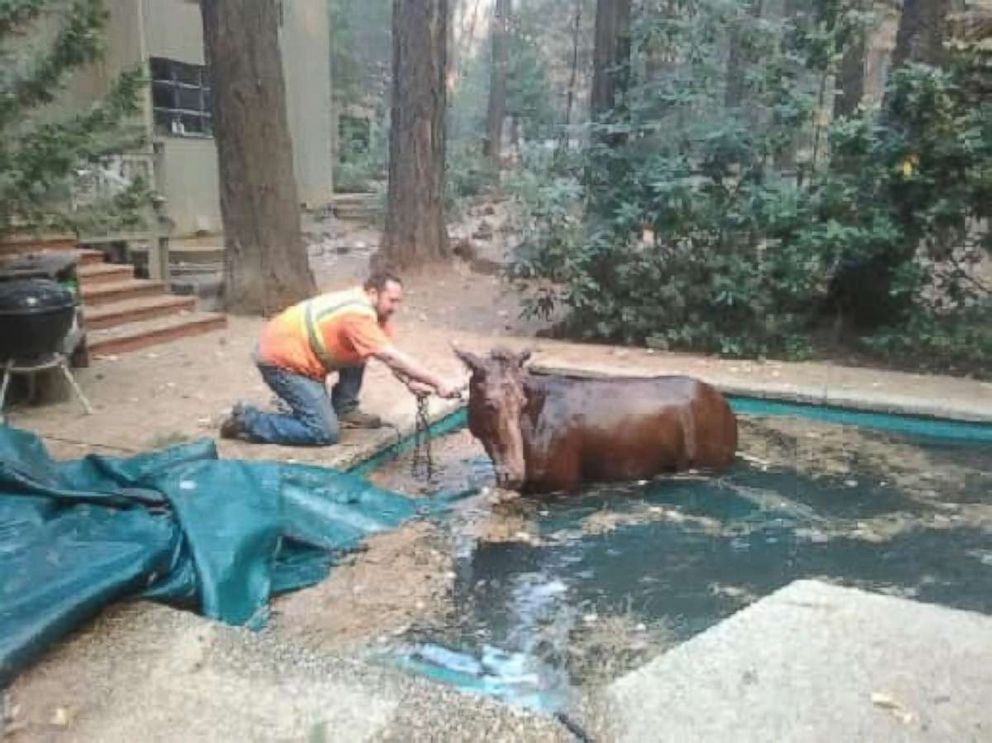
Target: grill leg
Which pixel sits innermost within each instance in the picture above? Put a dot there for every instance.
(3, 388)
(75, 387)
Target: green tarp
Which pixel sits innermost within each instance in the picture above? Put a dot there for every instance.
(178, 525)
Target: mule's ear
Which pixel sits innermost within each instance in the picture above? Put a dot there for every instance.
(468, 358)
(524, 356)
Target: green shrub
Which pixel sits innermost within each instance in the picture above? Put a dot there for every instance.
(685, 227)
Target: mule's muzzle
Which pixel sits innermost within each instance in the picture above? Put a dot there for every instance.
(509, 480)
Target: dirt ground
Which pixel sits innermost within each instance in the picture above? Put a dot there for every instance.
(397, 578)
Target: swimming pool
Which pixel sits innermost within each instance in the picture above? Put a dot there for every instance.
(555, 594)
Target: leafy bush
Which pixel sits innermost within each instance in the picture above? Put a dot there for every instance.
(45, 157)
(549, 221)
(907, 187)
(361, 164)
(469, 174)
(959, 341)
(741, 229)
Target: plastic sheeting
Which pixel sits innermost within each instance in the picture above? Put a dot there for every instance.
(178, 525)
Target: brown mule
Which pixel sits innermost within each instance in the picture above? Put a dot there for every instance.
(549, 433)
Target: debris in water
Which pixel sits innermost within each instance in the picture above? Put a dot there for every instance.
(750, 459)
(736, 593)
(512, 677)
(897, 710)
(814, 536)
(63, 716)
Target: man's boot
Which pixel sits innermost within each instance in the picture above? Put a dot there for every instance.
(356, 418)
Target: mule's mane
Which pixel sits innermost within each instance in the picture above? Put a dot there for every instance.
(503, 355)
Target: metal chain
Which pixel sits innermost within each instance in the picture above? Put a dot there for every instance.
(422, 464)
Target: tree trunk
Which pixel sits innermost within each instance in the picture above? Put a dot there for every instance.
(851, 79)
(265, 259)
(785, 159)
(460, 51)
(611, 56)
(573, 75)
(738, 60)
(451, 59)
(415, 227)
(920, 37)
(496, 112)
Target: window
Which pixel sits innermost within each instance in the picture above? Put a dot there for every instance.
(181, 98)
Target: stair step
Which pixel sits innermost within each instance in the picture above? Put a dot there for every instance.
(137, 335)
(188, 255)
(117, 291)
(88, 257)
(21, 244)
(104, 273)
(134, 310)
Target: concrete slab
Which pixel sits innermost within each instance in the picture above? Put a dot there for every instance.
(144, 672)
(815, 662)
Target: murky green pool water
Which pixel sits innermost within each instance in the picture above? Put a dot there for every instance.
(561, 592)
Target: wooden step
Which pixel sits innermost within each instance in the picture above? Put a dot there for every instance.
(137, 335)
(20, 244)
(185, 254)
(104, 273)
(118, 291)
(360, 207)
(89, 257)
(136, 310)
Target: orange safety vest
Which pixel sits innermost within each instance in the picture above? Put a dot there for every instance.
(324, 333)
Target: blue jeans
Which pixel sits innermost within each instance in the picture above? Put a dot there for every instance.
(313, 420)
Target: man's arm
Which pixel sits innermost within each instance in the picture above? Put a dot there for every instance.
(405, 365)
(417, 388)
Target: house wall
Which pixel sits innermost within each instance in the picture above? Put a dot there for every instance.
(187, 166)
(123, 50)
(186, 171)
(173, 29)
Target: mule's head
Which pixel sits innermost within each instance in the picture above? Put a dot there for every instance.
(495, 403)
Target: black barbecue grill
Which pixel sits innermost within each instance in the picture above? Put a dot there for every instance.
(38, 312)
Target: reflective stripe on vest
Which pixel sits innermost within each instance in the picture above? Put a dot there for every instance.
(314, 314)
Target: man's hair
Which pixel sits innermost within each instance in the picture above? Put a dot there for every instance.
(378, 279)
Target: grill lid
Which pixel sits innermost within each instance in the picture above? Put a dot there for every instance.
(29, 296)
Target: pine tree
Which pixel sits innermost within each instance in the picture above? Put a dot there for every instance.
(42, 154)
(265, 258)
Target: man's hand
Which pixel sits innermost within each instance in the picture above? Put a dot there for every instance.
(418, 388)
(449, 390)
(411, 373)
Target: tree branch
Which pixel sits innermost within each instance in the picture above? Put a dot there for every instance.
(77, 42)
(15, 13)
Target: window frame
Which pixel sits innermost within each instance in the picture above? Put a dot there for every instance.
(190, 90)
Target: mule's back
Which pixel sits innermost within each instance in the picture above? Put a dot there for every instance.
(636, 427)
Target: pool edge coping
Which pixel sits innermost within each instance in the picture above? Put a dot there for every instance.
(802, 394)
(448, 414)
